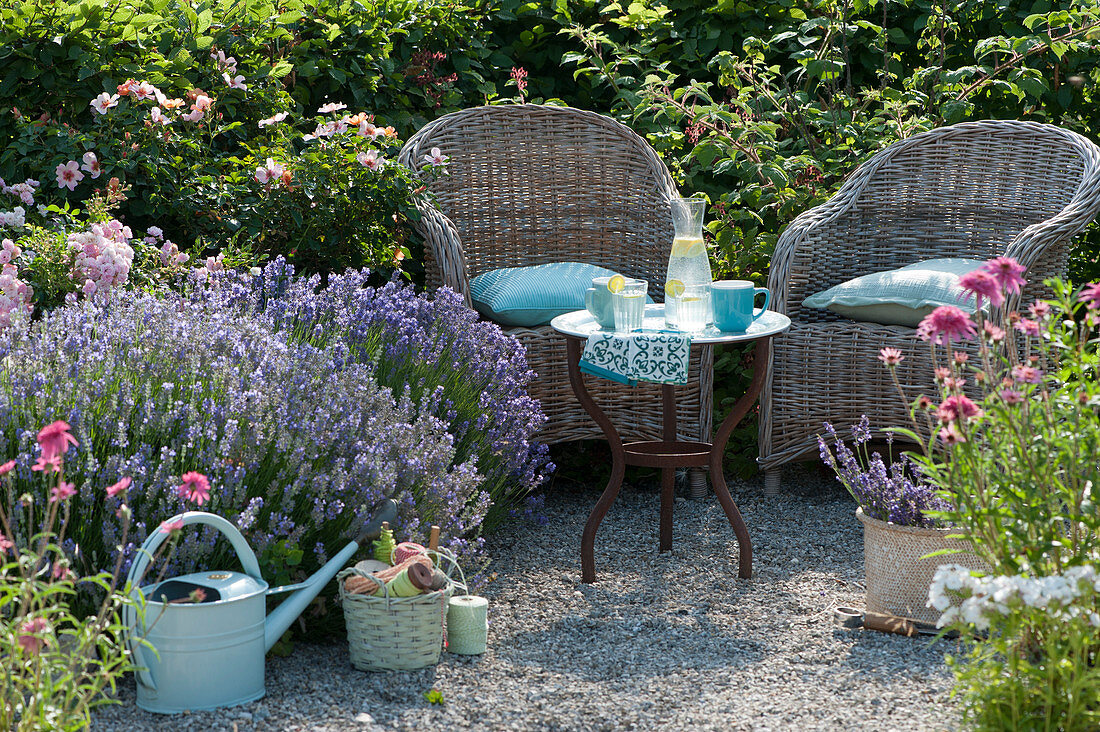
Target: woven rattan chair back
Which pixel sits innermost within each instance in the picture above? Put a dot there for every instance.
(531, 184)
(975, 190)
(969, 190)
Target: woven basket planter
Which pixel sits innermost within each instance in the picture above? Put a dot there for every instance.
(897, 578)
(394, 633)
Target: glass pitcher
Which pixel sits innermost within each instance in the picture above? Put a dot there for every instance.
(687, 285)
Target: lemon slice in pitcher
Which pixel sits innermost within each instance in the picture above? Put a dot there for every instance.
(688, 247)
(616, 283)
(674, 288)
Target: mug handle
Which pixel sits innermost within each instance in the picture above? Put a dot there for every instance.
(767, 299)
(588, 294)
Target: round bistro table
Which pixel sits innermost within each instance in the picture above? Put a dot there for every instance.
(669, 453)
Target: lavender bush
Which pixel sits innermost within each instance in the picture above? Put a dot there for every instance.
(454, 366)
(896, 493)
(298, 440)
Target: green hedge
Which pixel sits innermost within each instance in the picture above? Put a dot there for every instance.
(764, 106)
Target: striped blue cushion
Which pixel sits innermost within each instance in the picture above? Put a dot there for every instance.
(533, 295)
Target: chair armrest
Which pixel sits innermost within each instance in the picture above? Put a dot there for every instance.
(445, 259)
(1034, 246)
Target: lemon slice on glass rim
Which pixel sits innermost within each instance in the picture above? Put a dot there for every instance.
(674, 288)
(616, 283)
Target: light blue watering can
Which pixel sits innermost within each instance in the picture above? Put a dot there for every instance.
(210, 653)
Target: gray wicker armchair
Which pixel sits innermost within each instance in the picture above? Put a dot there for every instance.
(531, 184)
(976, 190)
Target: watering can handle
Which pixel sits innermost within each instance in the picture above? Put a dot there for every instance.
(149, 548)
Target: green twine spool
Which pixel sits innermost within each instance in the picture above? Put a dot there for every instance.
(402, 586)
(383, 548)
(410, 581)
(467, 625)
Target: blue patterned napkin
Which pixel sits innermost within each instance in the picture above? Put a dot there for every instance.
(660, 357)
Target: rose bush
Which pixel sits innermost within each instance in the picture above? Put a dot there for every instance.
(321, 189)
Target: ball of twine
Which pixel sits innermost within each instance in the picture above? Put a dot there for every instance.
(407, 549)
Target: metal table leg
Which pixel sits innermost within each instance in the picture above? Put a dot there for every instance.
(718, 450)
(618, 464)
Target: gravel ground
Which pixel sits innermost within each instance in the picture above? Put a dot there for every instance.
(661, 641)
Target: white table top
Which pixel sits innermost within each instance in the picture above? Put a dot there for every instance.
(581, 324)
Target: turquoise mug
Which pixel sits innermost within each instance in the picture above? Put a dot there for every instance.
(734, 302)
(598, 301)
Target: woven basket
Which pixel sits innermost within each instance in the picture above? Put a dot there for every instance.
(897, 578)
(388, 633)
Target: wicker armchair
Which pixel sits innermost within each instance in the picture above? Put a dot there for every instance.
(531, 184)
(976, 190)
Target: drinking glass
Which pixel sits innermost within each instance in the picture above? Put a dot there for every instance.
(693, 308)
(629, 306)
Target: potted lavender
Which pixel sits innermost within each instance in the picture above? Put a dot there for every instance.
(899, 512)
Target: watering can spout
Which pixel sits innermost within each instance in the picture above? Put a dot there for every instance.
(279, 619)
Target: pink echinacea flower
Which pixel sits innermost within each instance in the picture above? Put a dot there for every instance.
(171, 526)
(890, 356)
(62, 491)
(957, 407)
(29, 640)
(1008, 272)
(196, 487)
(1027, 374)
(1028, 327)
(984, 286)
(950, 435)
(119, 487)
(945, 324)
(1091, 296)
(55, 439)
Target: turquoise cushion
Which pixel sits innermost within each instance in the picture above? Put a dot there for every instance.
(533, 295)
(899, 296)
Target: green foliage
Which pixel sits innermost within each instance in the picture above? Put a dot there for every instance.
(1019, 467)
(192, 178)
(766, 107)
(58, 665)
(1036, 674)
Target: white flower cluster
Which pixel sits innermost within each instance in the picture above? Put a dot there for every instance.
(103, 256)
(959, 595)
(16, 218)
